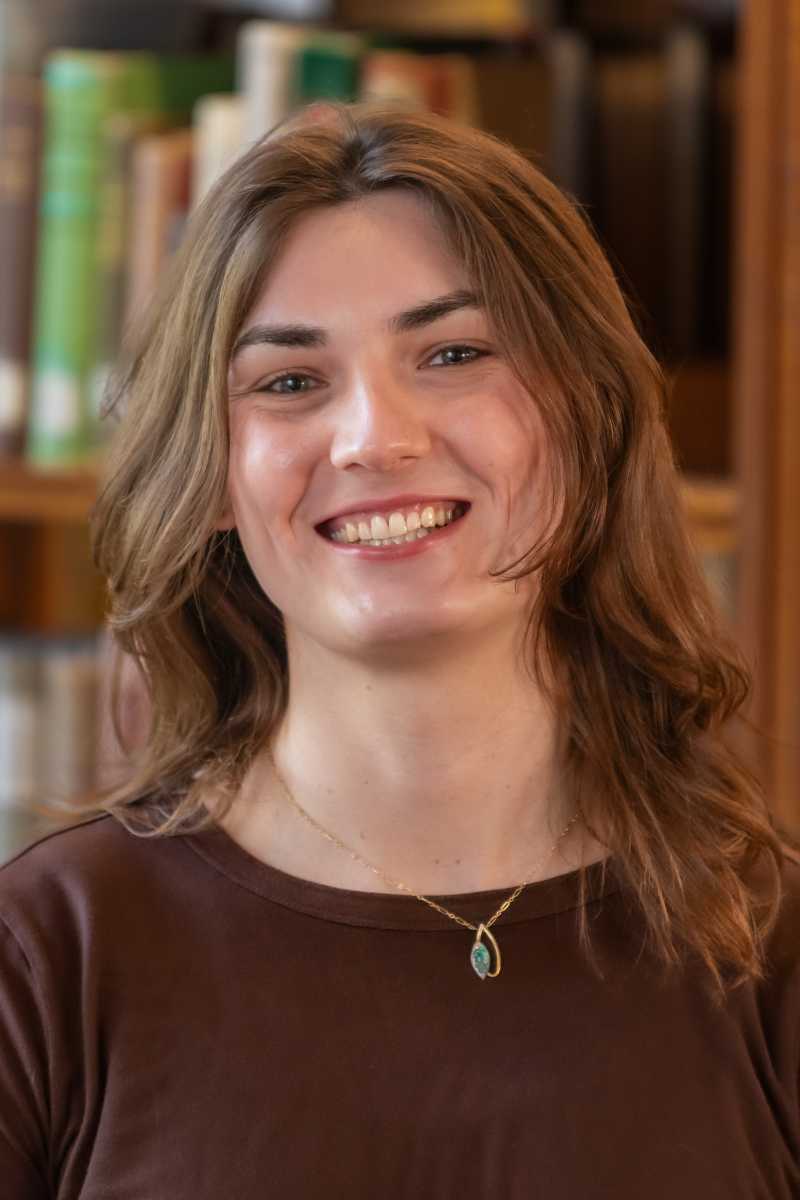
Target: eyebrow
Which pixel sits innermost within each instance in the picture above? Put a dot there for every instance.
(314, 337)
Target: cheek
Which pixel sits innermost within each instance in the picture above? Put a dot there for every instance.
(263, 460)
(511, 447)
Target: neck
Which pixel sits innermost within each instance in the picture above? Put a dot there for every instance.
(446, 777)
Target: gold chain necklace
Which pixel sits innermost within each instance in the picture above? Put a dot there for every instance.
(480, 958)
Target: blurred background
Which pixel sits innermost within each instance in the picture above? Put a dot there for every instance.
(675, 126)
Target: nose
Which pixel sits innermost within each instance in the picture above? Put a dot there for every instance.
(379, 424)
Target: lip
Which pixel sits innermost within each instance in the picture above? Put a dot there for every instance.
(391, 505)
(441, 534)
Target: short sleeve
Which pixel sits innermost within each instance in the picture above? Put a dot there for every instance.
(23, 1078)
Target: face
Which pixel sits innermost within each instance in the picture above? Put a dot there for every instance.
(368, 409)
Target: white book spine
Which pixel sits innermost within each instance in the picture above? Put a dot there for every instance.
(266, 62)
(20, 739)
(218, 123)
(69, 682)
(19, 721)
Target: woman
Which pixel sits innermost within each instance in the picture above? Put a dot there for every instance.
(435, 875)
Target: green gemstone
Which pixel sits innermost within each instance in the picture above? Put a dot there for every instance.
(481, 960)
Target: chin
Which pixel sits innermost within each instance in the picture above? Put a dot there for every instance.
(402, 639)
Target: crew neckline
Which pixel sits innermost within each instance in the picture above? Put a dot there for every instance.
(382, 910)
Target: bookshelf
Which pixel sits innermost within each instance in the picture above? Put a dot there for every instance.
(28, 495)
(733, 371)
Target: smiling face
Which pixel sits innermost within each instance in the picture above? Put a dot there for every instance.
(368, 409)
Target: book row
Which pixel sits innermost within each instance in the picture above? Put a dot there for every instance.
(104, 154)
(49, 718)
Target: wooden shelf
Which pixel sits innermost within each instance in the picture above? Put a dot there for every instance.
(28, 495)
(712, 505)
(699, 415)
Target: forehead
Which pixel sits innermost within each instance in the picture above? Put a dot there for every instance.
(372, 256)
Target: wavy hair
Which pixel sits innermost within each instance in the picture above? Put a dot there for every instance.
(649, 679)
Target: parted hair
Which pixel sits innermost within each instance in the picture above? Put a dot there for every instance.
(649, 680)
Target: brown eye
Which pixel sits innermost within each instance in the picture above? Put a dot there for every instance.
(460, 349)
(286, 377)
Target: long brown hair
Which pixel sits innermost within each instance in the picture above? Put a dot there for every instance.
(649, 680)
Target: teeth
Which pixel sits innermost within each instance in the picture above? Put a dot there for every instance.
(398, 528)
(409, 537)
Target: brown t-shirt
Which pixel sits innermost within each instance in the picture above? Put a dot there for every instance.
(180, 1021)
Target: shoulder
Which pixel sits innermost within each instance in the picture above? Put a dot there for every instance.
(761, 879)
(787, 927)
(84, 851)
(782, 942)
(790, 877)
(67, 883)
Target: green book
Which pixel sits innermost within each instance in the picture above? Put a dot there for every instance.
(328, 67)
(86, 93)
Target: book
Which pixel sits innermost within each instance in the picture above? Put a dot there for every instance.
(19, 708)
(716, 300)
(687, 70)
(441, 83)
(281, 67)
(453, 87)
(327, 67)
(397, 77)
(514, 101)
(20, 149)
(120, 138)
(266, 72)
(631, 182)
(23, 36)
(651, 170)
(85, 91)
(48, 718)
(176, 82)
(568, 58)
(160, 186)
(218, 140)
(67, 751)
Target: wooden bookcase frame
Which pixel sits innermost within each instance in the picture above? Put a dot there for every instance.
(766, 383)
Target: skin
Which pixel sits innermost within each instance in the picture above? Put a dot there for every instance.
(412, 733)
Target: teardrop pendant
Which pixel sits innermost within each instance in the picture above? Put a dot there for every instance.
(480, 957)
